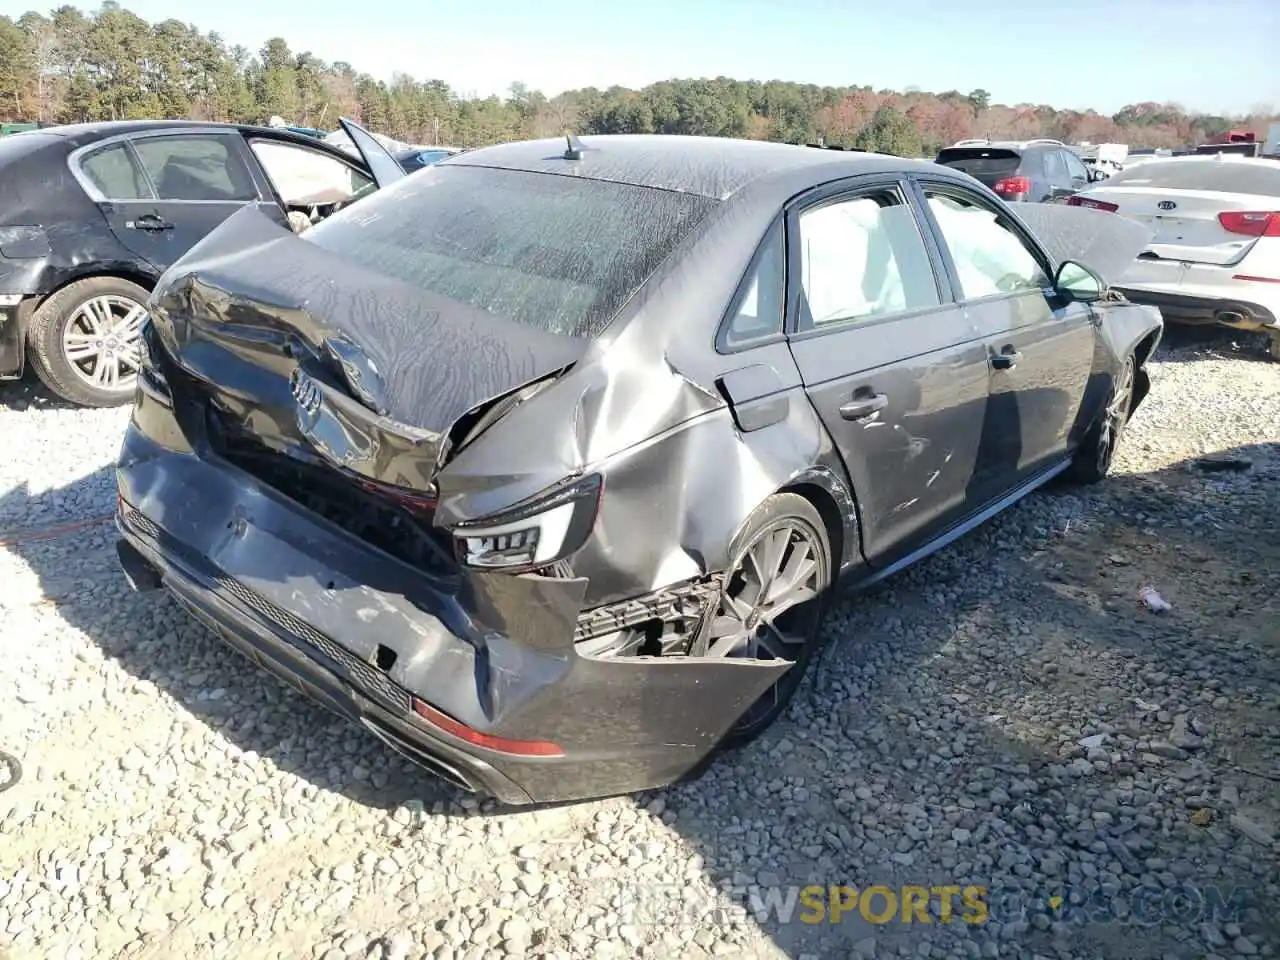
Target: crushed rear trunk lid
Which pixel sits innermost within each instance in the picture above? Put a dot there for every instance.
(297, 346)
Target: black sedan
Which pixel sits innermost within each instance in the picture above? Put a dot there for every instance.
(93, 214)
(542, 463)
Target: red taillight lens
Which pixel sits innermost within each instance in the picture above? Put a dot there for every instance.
(518, 748)
(1092, 204)
(1251, 223)
(1012, 186)
(412, 499)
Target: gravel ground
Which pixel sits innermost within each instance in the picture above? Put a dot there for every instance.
(1006, 715)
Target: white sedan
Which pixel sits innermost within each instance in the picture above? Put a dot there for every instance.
(1215, 253)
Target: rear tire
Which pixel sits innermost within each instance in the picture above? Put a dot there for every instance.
(1092, 461)
(786, 534)
(85, 341)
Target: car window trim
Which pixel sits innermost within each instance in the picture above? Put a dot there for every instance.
(835, 192)
(996, 206)
(776, 229)
(75, 163)
(77, 155)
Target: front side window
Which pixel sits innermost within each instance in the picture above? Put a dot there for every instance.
(989, 257)
(558, 253)
(305, 178)
(192, 167)
(759, 311)
(114, 173)
(862, 258)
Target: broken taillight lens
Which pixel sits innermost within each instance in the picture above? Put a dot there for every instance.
(516, 748)
(532, 534)
(416, 501)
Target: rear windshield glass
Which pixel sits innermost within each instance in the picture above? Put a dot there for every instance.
(558, 253)
(21, 144)
(981, 161)
(1261, 177)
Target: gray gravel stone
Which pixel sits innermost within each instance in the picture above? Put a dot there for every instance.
(1004, 714)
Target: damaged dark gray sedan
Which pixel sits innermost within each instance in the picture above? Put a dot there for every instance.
(542, 463)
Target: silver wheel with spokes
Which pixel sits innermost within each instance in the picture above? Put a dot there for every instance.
(772, 603)
(102, 341)
(85, 340)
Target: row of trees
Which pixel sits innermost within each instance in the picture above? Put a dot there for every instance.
(68, 66)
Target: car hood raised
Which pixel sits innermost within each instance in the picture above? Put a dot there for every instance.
(1103, 242)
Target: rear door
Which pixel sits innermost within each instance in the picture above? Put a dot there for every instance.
(163, 192)
(1039, 347)
(893, 367)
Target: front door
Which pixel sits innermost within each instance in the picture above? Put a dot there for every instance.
(1039, 346)
(894, 369)
(162, 193)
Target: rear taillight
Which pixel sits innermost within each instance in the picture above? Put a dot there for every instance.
(1078, 201)
(1251, 223)
(1012, 186)
(414, 500)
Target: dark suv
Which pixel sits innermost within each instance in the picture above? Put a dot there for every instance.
(1039, 171)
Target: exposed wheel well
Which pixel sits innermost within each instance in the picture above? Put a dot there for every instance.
(1141, 379)
(825, 504)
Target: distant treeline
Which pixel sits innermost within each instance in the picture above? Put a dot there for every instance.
(69, 66)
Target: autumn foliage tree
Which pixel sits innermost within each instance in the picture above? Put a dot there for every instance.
(67, 66)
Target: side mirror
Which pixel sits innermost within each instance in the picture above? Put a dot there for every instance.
(1077, 282)
(1096, 174)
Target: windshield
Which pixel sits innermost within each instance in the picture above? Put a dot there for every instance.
(561, 254)
(1261, 177)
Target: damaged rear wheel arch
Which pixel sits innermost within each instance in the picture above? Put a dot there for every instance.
(823, 501)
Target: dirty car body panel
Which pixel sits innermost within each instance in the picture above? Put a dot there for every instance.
(606, 347)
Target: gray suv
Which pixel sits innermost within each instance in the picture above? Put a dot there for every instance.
(1039, 171)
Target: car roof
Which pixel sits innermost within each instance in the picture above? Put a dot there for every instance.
(715, 167)
(1013, 146)
(80, 134)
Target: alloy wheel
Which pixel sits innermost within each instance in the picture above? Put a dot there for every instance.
(102, 341)
(769, 607)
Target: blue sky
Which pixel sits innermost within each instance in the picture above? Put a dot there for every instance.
(1211, 55)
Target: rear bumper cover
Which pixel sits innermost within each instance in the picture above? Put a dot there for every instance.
(1189, 309)
(320, 608)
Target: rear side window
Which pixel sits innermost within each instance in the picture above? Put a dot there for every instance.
(562, 254)
(195, 168)
(758, 312)
(113, 171)
(981, 162)
(862, 258)
(1260, 177)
